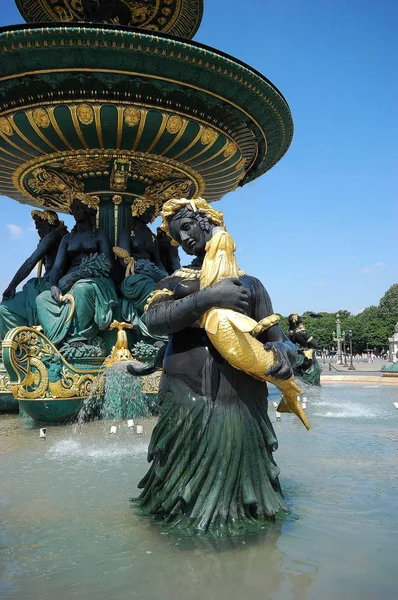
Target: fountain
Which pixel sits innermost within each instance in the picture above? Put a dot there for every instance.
(112, 104)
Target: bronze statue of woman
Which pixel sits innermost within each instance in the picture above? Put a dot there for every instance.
(81, 270)
(307, 366)
(146, 268)
(212, 468)
(19, 308)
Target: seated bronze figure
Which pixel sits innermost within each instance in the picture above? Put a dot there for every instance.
(19, 308)
(82, 297)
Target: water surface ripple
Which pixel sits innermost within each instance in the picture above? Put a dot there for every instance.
(68, 531)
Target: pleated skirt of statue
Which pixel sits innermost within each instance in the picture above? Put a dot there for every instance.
(212, 466)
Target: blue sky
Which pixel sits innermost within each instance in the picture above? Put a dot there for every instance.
(320, 229)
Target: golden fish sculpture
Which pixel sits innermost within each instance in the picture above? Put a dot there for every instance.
(234, 334)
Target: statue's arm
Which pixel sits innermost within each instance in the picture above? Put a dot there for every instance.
(105, 246)
(155, 255)
(60, 263)
(44, 246)
(306, 340)
(165, 316)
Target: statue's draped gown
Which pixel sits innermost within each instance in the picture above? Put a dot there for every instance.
(212, 465)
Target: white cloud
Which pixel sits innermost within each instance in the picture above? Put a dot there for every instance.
(373, 268)
(15, 231)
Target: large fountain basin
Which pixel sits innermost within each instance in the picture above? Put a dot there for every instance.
(79, 99)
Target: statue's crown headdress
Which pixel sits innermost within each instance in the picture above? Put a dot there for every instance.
(46, 215)
(199, 205)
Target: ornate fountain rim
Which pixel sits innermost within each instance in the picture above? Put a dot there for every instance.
(261, 111)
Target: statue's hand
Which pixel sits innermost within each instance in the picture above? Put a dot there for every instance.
(56, 293)
(9, 293)
(230, 293)
(282, 369)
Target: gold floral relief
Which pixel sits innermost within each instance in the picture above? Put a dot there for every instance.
(174, 124)
(78, 164)
(132, 116)
(240, 164)
(41, 118)
(230, 149)
(209, 136)
(85, 114)
(5, 126)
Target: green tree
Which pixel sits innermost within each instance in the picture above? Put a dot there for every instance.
(389, 303)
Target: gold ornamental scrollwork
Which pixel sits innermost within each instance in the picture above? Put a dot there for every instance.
(39, 372)
(5, 126)
(230, 149)
(209, 136)
(45, 179)
(81, 164)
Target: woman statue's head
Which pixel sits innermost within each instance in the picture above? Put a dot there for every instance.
(294, 320)
(84, 208)
(144, 209)
(190, 223)
(46, 221)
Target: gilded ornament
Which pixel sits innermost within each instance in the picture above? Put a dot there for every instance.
(85, 114)
(240, 164)
(234, 334)
(230, 149)
(156, 294)
(154, 170)
(116, 199)
(4, 383)
(5, 126)
(128, 260)
(120, 175)
(78, 164)
(174, 124)
(142, 204)
(41, 118)
(46, 215)
(132, 116)
(120, 351)
(32, 357)
(151, 383)
(164, 190)
(209, 136)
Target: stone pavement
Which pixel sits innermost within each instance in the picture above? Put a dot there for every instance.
(365, 373)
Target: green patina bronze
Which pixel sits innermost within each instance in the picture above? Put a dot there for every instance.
(8, 404)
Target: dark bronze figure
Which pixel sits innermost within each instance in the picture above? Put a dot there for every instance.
(212, 465)
(82, 296)
(307, 366)
(19, 308)
(168, 253)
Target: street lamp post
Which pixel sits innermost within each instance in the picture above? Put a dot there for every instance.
(345, 350)
(338, 338)
(351, 367)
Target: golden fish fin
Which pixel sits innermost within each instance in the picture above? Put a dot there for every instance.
(212, 322)
(241, 322)
(266, 323)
